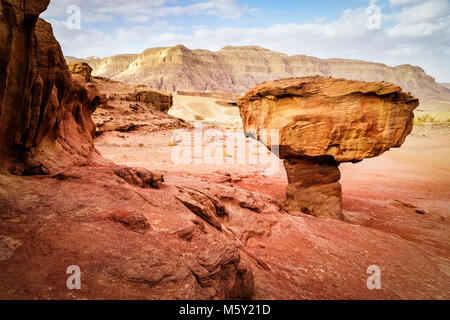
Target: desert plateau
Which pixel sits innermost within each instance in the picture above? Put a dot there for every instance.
(234, 172)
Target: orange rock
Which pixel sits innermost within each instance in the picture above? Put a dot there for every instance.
(45, 117)
(322, 122)
(81, 68)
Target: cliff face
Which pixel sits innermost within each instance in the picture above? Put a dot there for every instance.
(45, 115)
(134, 107)
(237, 69)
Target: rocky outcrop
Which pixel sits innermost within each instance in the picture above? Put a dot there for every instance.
(110, 66)
(323, 122)
(237, 69)
(45, 115)
(132, 107)
(81, 68)
(47, 130)
(190, 237)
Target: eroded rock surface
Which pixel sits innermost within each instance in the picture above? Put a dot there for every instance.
(133, 107)
(133, 237)
(45, 115)
(46, 130)
(81, 68)
(323, 122)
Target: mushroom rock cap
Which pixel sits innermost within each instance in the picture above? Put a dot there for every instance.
(317, 116)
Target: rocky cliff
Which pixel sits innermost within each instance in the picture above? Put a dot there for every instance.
(447, 85)
(45, 115)
(134, 107)
(237, 69)
(46, 131)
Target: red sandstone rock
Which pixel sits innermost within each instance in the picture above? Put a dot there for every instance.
(323, 122)
(81, 68)
(46, 128)
(134, 107)
(45, 117)
(134, 241)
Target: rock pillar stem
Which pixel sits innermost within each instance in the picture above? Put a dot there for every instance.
(314, 187)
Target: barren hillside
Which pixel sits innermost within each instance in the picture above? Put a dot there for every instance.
(237, 69)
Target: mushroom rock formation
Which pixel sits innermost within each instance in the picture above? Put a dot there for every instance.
(45, 114)
(323, 122)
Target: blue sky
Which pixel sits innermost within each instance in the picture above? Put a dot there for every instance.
(413, 32)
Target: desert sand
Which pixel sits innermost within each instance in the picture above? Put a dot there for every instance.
(191, 108)
(401, 196)
(95, 174)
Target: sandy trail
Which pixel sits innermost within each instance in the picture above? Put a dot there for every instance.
(199, 108)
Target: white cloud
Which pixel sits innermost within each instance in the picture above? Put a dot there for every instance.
(320, 19)
(418, 34)
(429, 11)
(414, 30)
(155, 8)
(401, 52)
(401, 3)
(138, 19)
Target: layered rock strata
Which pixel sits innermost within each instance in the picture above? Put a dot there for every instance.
(45, 114)
(237, 69)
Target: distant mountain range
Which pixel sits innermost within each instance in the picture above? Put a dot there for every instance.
(237, 69)
(447, 85)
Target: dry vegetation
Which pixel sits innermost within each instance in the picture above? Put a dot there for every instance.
(431, 117)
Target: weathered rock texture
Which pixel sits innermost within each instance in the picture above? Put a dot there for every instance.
(47, 130)
(323, 122)
(237, 69)
(45, 115)
(133, 107)
(189, 237)
(81, 68)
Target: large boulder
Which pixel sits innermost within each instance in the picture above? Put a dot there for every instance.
(322, 122)
(45, 114)
(81, 68)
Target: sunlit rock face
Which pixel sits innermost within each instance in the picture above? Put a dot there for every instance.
(321, 123)
(236, 69)
(81, 68)
(45, 115)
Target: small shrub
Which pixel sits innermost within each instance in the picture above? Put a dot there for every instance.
(173, 142)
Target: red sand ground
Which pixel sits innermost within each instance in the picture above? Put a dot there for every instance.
(404, 193)
(89, 217)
